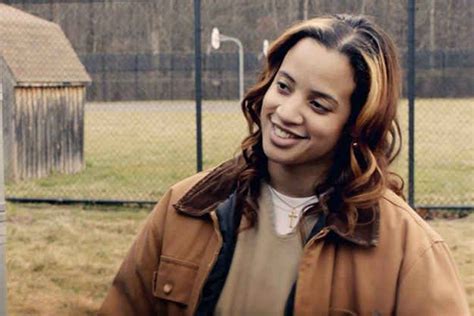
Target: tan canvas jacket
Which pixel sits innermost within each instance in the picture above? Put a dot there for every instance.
(396, 265)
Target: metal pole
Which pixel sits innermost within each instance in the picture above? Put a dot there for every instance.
(3, 281)
(197, 81)
(225, 38)
(411, 101)
(241, 72)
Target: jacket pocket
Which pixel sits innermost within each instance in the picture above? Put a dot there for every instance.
(174, 280)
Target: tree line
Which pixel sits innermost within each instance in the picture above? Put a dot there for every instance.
(153, 26)
(110, 32)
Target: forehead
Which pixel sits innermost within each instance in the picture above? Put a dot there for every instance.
(314, 66)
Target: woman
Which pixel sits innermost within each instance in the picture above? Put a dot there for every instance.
(308, 219)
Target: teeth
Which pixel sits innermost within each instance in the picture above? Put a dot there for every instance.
(281, 133)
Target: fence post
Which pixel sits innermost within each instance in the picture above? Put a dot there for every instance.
(411, 101)
(197, 81)
(3, 279)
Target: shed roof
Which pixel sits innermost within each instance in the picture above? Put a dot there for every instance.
(37, 51)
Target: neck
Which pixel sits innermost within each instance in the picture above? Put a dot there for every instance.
(295, 181)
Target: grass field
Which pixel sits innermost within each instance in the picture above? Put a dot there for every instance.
(61, 260)
(134, 151)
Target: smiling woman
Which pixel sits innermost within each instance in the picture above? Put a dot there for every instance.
(304, 113)
(308, 219)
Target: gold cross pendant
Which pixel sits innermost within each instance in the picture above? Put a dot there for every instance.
(292, 216)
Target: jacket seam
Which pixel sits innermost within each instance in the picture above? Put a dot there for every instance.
(421, 255)
(165, 217)
(161, 229)
(178, 262)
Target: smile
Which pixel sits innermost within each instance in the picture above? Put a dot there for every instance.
(284, 133)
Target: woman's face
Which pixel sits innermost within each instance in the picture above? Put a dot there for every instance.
(306, 107)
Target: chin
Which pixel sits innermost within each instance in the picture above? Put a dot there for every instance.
(300, 160)
(279, 158)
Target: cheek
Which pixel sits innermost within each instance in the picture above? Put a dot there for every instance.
(330, 132)
(270, 100)
(339, 124)
(337, 133)
(265, 111)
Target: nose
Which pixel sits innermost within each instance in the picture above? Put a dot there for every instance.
(289, 111)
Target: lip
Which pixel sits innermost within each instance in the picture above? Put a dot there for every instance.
(284, 142)
(296, 135)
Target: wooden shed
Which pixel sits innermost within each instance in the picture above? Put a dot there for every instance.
(43, 85)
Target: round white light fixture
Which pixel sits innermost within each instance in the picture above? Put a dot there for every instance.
(265, 47)
(215, 38)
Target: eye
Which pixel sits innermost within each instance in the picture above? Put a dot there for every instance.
(282, 87)
(318, 107)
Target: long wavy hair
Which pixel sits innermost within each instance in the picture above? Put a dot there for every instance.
(371, 138)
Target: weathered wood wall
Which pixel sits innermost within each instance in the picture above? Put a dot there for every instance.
(48, 129)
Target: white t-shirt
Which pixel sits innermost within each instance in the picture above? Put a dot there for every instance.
(288, 210)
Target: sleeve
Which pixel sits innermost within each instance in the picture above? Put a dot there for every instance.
(131, 292)
(431, 285)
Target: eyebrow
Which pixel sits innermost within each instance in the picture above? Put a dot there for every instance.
(317, 93)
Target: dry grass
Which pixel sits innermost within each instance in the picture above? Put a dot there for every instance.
(61, 260)
(459, 234)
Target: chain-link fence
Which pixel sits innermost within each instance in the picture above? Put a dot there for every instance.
(138, 128)
(444, 143)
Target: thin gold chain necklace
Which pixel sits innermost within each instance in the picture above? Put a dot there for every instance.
(293, 214)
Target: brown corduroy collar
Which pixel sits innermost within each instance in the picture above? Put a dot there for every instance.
(216, 187)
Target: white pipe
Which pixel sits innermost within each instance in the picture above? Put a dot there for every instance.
(225, 38)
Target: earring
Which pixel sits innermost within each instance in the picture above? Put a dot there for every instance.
(355, 144)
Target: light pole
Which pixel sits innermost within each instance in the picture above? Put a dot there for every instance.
(197, 82)
(3, 230)
(411, 100)
(216, 39)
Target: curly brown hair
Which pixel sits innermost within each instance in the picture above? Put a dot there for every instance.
(371, 138)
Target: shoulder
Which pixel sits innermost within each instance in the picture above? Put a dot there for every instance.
(406, 234)
(200, 193)
(179, 189)
(168, 223)
(166, 204)
(396, 213)
(428, 281)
